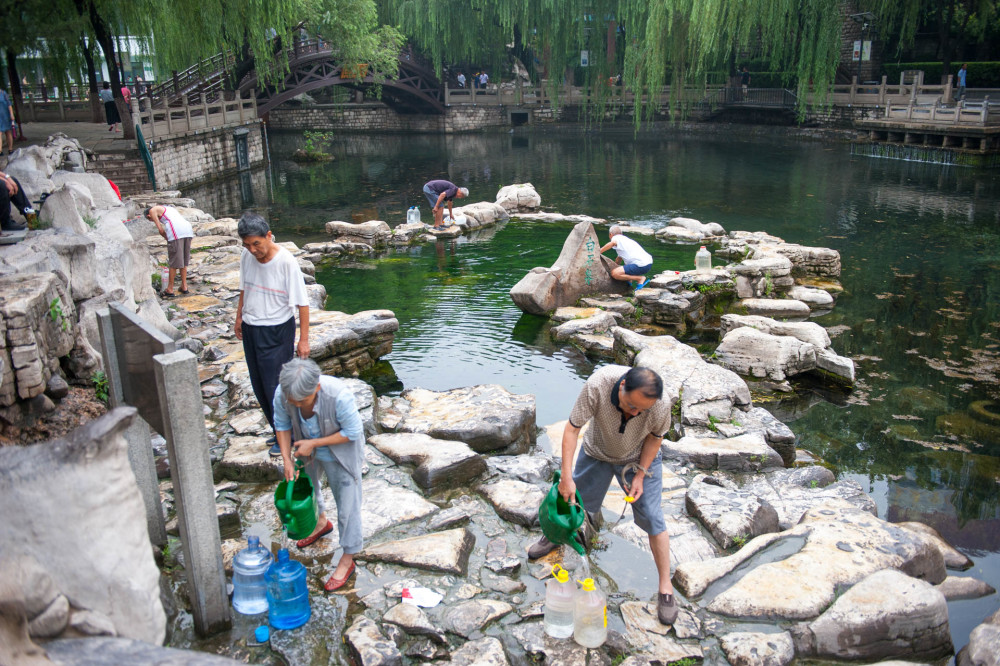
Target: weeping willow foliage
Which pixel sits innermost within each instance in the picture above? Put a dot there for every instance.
(187, 31)
(660, 41)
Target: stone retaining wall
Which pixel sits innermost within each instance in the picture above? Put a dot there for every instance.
(379, 117)
(201, 156)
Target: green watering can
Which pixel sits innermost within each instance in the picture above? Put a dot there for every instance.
(295, 505)
(559, 519)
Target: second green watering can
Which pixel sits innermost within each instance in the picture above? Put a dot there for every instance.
(295, 505)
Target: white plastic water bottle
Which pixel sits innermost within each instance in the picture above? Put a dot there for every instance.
(703, 261)
(412, 215)
(560, 595)
(590, 619)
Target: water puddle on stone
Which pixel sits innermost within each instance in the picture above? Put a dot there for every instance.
(775, 552)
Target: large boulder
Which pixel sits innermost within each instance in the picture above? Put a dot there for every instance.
(73, 506)
(519, 197)
(885, 615)
(834, 545)
(70, 207)
(100, 189)
(748, 351)
(374, 232)
(984, 644)
(580, 270)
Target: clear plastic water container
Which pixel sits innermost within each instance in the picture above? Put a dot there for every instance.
(287, 594)
(412, 215)
(560, 595)
(250, 567)
(703, 261)
(590, 619)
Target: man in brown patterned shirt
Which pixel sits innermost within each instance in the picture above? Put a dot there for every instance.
(628, 420)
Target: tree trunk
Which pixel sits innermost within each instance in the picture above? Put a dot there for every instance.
(95, 100)
(15, 90)
(103, 35)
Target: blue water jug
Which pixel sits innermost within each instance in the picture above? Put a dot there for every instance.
(250, 567)
(287, 594)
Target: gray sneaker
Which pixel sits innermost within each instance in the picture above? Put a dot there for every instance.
(666, 608)
(541, 548)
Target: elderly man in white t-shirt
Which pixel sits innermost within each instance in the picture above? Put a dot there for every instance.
(271, 289)
(634, 261)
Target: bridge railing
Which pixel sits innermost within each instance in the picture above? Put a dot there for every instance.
(200, 111)
(977, 113)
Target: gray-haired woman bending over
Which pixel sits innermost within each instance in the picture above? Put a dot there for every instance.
(319, 412)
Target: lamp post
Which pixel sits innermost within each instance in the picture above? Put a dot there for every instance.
(865, 19)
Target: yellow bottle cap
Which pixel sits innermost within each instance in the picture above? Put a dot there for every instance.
(629, 499)
(588, 584)
(559, 573)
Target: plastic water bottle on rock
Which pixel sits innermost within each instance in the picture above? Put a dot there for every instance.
(560, 595)
(250, 567)
(413, 215)
(287, 595)
(703, 261)
(590, 618)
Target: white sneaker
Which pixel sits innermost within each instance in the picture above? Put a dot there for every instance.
(29, 211)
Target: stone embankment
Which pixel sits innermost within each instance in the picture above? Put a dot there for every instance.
(773, 562)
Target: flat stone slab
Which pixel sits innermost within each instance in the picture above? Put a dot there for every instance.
(649, 639)
(247, 459)
(447, 552)
(558, 217)
(806, 331)
(745, 453)
(530, 468)
(610, 303)
(542, 648)
(599, 322)
(486, 417)
(833, 545)
(470, 616)
(776, 307)
(439, 463)
(746, 648)
(515, 501)
(482, 652)
(955, 588)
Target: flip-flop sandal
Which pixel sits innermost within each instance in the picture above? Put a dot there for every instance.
(168, 294)
(185, 291)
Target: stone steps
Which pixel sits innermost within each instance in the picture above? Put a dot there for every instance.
(125, 168)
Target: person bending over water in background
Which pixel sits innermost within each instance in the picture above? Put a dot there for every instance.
(636, 261)
(439, 191)
(320, 413)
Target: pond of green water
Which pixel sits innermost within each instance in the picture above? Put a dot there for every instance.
(920, 246)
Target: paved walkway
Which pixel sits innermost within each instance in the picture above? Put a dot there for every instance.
(92, 136)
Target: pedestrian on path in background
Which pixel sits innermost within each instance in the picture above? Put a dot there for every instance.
(461, 80)
(320, 414)
(745, 81)
(635, 262)
(439, 191)
(110, 108)
(484, 80)
(271, 290)
(628, 419)
(178, 232)
(6, 122)
(11, 193)
(960, 93)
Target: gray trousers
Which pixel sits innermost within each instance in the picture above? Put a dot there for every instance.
(347, 494)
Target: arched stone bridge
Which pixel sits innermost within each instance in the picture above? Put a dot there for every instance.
(414, 89)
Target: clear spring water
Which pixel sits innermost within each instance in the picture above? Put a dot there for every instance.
(920, 246)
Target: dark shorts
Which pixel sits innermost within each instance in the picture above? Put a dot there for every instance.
(179, 253)
(593, 478)
(632, 269)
